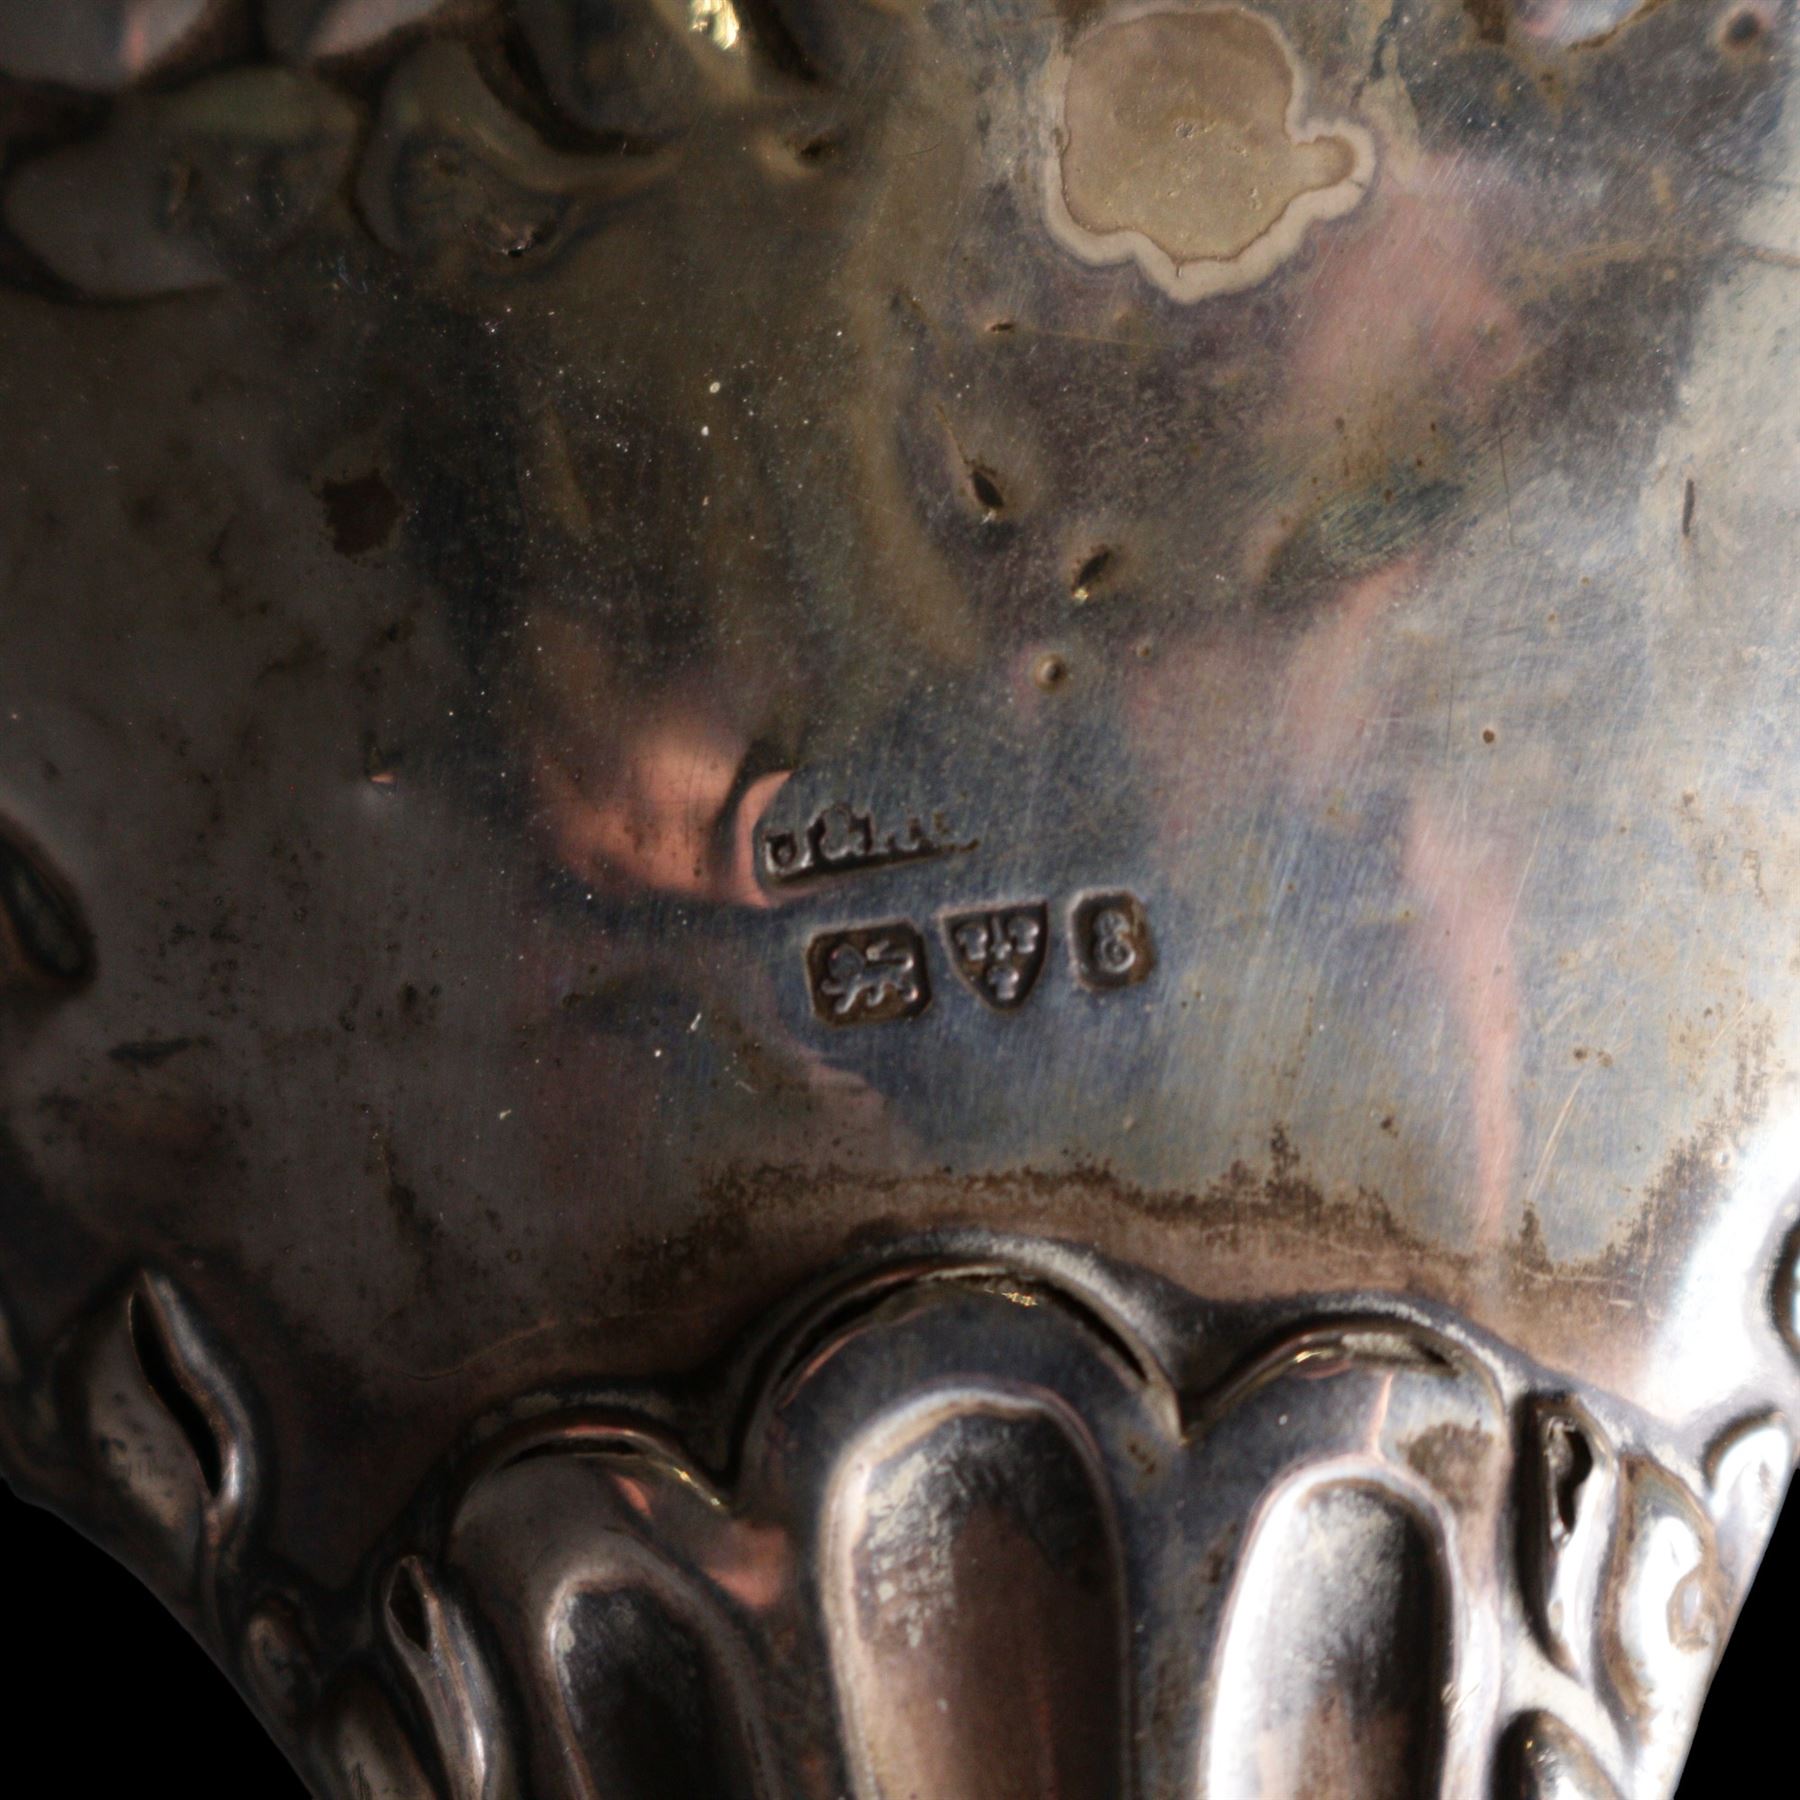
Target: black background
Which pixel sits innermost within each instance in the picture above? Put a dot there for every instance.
(86, 1639)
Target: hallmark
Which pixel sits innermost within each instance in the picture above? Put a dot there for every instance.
(999, 951)
(840, 841)
(868, 975)
(1111, 940)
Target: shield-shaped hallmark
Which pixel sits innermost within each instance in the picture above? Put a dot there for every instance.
(999, 950)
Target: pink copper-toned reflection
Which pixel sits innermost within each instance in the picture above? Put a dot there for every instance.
(634, 786)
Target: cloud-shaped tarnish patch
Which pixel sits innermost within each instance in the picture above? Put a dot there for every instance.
(1182, 140)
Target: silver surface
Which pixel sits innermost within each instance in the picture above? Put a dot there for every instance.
(1125, 669)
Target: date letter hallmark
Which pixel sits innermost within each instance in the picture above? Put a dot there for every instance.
(1111, 940)
(999, 952)
(868, 975)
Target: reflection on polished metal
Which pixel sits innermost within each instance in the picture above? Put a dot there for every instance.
(902, 897)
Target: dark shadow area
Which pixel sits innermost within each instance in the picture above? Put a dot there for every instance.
(1744, 1727)
(89, 1641)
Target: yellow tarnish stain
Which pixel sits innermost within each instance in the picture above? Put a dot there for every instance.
(1183, 142)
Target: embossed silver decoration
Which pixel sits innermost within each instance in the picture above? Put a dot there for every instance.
(902, 897)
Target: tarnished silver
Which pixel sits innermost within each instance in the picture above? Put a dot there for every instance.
(901, 899)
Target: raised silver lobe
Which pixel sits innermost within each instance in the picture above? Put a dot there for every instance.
(902, 899)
